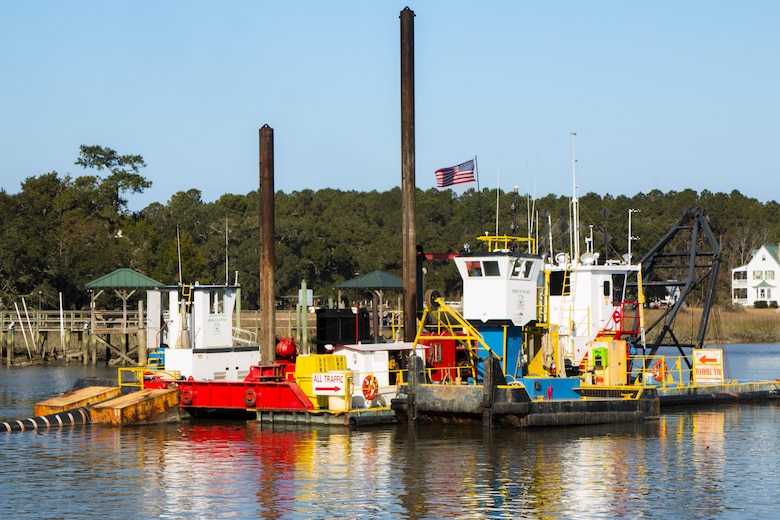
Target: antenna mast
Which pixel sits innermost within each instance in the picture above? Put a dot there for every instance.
(178, 252)
(227, 260)
(575, 210)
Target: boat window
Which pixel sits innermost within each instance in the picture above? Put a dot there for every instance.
(559, 283)
(217, 302)
(491, 268)
(607, 288)
(474, 268)
(434, 354)
(618, 283)
(522, 268)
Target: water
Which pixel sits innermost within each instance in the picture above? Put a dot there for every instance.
(703, 462)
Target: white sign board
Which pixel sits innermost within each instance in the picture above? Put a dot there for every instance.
(329, 383)
(708, 365)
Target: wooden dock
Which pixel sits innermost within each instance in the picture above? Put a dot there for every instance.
(117, 337)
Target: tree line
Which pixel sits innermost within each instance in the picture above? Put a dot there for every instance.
(60, 232)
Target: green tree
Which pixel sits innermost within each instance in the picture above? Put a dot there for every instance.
(123, 171)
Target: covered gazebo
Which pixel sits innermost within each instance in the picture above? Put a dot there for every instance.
(375, 281)
(124, 282)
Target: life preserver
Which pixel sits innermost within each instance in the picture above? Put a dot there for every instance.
(659, 370)
(370, 387)
(185, 396)
(250, 398)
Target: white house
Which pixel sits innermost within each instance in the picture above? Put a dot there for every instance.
(758, 280)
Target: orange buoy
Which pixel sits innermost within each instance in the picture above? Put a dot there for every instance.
(659, 370)
(370, 387)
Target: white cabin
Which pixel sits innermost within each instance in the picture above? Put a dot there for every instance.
(500, 286)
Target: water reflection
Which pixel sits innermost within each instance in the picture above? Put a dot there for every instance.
(703, 462)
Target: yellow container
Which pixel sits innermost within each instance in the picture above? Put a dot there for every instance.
(305, 366)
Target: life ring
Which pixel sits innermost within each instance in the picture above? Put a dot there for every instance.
(250, 398)
(185, 396)
(659, 370)
(370, 387)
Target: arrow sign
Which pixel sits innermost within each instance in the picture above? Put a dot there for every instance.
(320, 390)
(708, 366)
(329, 383)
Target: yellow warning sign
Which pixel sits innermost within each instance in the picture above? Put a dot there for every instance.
(708, 365)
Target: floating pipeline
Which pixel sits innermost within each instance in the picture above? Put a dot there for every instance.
(74, 417)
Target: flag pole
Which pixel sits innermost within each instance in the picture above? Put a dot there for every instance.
(498, 190)
(479, 195)
(476, 171)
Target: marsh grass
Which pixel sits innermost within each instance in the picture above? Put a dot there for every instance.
(726, 324)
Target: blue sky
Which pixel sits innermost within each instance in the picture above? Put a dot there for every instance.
(664, 95)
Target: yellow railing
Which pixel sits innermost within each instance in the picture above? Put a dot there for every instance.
(134, 376)
(504, 242)
(447, 378)
(662, 371)
(136, 372)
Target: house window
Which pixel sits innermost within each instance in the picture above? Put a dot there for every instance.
(757, 275)
(769, 275)
(762, 293)
(740, 294)
(740, 275)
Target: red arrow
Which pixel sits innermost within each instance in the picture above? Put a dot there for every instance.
(705, 359)
(330, 388)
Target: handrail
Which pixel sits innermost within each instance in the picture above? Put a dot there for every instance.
(664, 372)
(495, 242)
(138, 372)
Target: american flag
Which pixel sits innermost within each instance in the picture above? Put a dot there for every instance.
(459, 174)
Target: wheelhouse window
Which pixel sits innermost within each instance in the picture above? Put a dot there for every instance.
(217, 302)
(491, 268)
(618, 285)
(474, 268)
(522, 269)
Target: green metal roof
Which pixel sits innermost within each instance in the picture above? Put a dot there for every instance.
(123, 278)
(373, 280)
(772, 250)
(764, 284)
